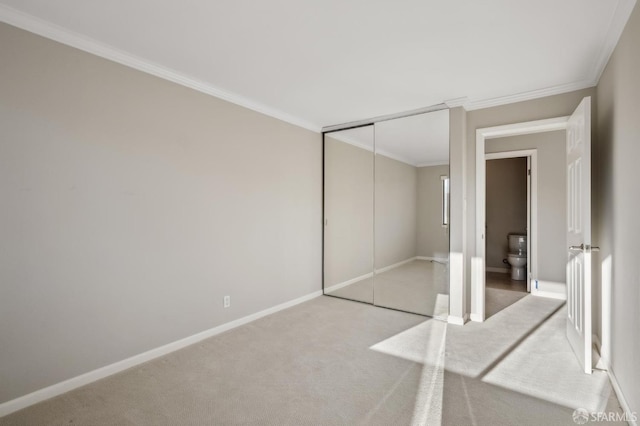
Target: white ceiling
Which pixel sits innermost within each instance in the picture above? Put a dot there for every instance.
(322, 62)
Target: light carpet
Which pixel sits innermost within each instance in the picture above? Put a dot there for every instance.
(334, 362)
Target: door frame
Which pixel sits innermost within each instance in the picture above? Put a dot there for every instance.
(478, 262)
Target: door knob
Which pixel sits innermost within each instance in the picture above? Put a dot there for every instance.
(582, 247)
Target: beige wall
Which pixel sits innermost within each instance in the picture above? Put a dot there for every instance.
(433, 238)
(552, 197)
(506, 206)
(131, 206)
(348, 204)
(618, 204)
(396, 211)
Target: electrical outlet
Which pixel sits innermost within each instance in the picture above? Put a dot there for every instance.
(226, 302)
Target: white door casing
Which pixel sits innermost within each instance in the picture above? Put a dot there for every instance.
(530, 170)
(579, 233)
(477, 272)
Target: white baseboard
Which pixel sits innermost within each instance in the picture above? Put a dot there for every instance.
(92, 376)
(476, 318)
(548, 294)
(395, 265)
(604, 364)
(457, 320)
(348, 282)
(549, 289)
(434, 259)
(500, 270)
(621, 398)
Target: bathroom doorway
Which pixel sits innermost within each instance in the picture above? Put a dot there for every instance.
(544, 141)
(508, 217)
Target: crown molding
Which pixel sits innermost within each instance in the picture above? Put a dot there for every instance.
(54, 32)
(62, 35)
(380, 118)
(527, 96)
(456, 102)
(616, 27)
(433, 164)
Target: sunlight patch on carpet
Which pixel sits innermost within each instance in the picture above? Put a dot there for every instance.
(424, 344)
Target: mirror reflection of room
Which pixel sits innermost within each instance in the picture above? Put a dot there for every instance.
(411, 234)
(386, 235)
(348, 214)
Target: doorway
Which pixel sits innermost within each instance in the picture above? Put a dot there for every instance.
(501, 135)
(508, 227)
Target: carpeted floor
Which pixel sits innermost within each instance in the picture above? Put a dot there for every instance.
(335, 362)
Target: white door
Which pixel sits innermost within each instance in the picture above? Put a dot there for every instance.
(529, 234)
(579, 233)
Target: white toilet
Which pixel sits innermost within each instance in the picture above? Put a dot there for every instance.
(517, 256)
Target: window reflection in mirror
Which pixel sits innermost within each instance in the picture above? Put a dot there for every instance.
(445, 200)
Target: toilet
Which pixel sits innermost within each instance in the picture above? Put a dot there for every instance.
(517, 256)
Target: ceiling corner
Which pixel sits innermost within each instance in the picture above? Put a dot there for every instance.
(616, 26)
(59, 34)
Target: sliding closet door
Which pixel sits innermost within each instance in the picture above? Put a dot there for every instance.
(411, 231)
(348, 214)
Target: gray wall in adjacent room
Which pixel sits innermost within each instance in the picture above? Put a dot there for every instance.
(506, 206)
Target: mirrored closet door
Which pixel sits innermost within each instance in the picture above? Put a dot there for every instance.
(411, 237)
(348, 213)
(386, 239)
